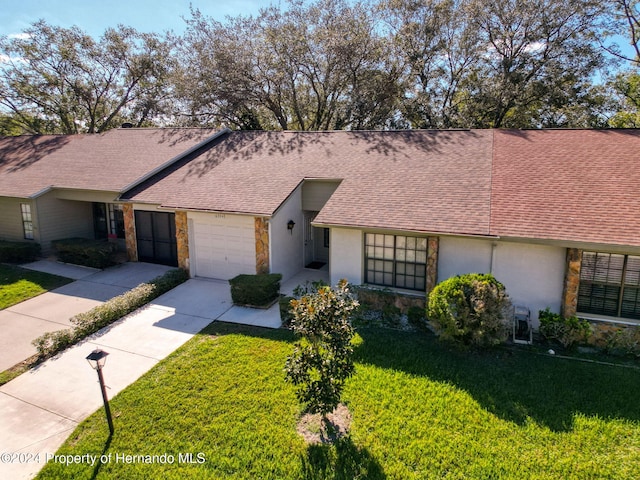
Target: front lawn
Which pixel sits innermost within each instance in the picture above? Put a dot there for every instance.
(19, 284)
(420, 410)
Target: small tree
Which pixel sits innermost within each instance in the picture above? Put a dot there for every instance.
(322, 359)
(471, 309)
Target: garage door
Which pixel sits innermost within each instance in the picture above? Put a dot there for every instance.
(224, 245)
(156, 237)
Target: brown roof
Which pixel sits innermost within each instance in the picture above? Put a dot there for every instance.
(110, 161)
(581, 185)
(435, 181)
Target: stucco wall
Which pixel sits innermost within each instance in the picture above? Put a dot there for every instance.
(346, 255)
(286, 245)
(532, 274)
(458, 255)
(11, 219)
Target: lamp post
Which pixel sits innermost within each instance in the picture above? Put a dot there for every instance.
(97, 359)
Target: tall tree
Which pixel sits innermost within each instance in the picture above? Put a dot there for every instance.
(314, 66)
(497, 63)
(57, 80)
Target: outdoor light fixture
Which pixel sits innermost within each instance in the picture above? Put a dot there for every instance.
(290, 225)
(97, 359)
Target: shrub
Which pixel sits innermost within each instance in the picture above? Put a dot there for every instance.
(255, 290)
(323, 358)
(417, 318)
(625, 341)
(470, 309)
(98, 317)
(567, 331)
(286, 315)
(19, 252)
(81, 251)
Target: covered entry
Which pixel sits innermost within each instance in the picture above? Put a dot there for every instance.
(156, 237)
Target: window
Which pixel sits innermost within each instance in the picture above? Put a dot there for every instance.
(116, 220)
(396, 261)
(610, 285)
(27, 221)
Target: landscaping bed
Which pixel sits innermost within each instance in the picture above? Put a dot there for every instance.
(421, 409)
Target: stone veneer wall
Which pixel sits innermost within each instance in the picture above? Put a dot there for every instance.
(432, 263)
(130, 232)
(262, 244)
(182, 239)
(571, 282)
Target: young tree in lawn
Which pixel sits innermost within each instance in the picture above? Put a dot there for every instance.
(322, 359)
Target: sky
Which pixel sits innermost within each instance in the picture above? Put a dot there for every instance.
(94, 17)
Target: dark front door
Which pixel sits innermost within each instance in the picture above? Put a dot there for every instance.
(100, 229)
(156, 236)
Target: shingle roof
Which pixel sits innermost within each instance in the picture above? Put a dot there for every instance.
(581, 185)
(435, 181)
(109, 161)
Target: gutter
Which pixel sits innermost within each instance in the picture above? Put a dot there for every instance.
(168, 163)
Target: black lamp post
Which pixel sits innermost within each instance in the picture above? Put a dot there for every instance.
(97, 359)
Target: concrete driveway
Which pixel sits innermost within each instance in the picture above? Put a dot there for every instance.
(51, 311)
(40, 408)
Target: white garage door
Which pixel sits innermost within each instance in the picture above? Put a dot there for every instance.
(224, 245)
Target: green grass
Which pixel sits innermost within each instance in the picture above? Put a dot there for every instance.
(19, 284)
(420, 410)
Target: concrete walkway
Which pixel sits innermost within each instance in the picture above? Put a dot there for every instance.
(40, 408)
(51, 311)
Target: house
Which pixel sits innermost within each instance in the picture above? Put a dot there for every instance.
(553, 214)
(62, 186)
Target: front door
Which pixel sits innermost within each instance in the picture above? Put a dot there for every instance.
(308, 234)
(156, 237)
(100, 228)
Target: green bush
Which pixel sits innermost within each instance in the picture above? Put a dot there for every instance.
(81, 251)
(286, 315)
(255, 290)
(625, 341)
(417, 318)
(19, 252)
(567, 331)
(98, 317)
(470, 309)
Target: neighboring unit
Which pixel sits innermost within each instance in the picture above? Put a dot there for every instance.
(551, 213)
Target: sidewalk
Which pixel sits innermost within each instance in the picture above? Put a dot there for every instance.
(40, 408)
(22, 323)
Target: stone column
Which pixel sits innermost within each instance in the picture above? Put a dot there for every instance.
(262, 244)
(182, 239)
(433, 244)
(571, 282)
(130, 232)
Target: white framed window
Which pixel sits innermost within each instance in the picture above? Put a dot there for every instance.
(27, 221)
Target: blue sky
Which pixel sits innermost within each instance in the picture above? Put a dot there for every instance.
(94, 17)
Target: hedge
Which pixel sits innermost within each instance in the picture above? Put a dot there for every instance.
(99, 317)
(19, 252)
(255, 290)
(81, 251)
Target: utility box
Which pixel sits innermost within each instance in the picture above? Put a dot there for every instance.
(522, 331)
